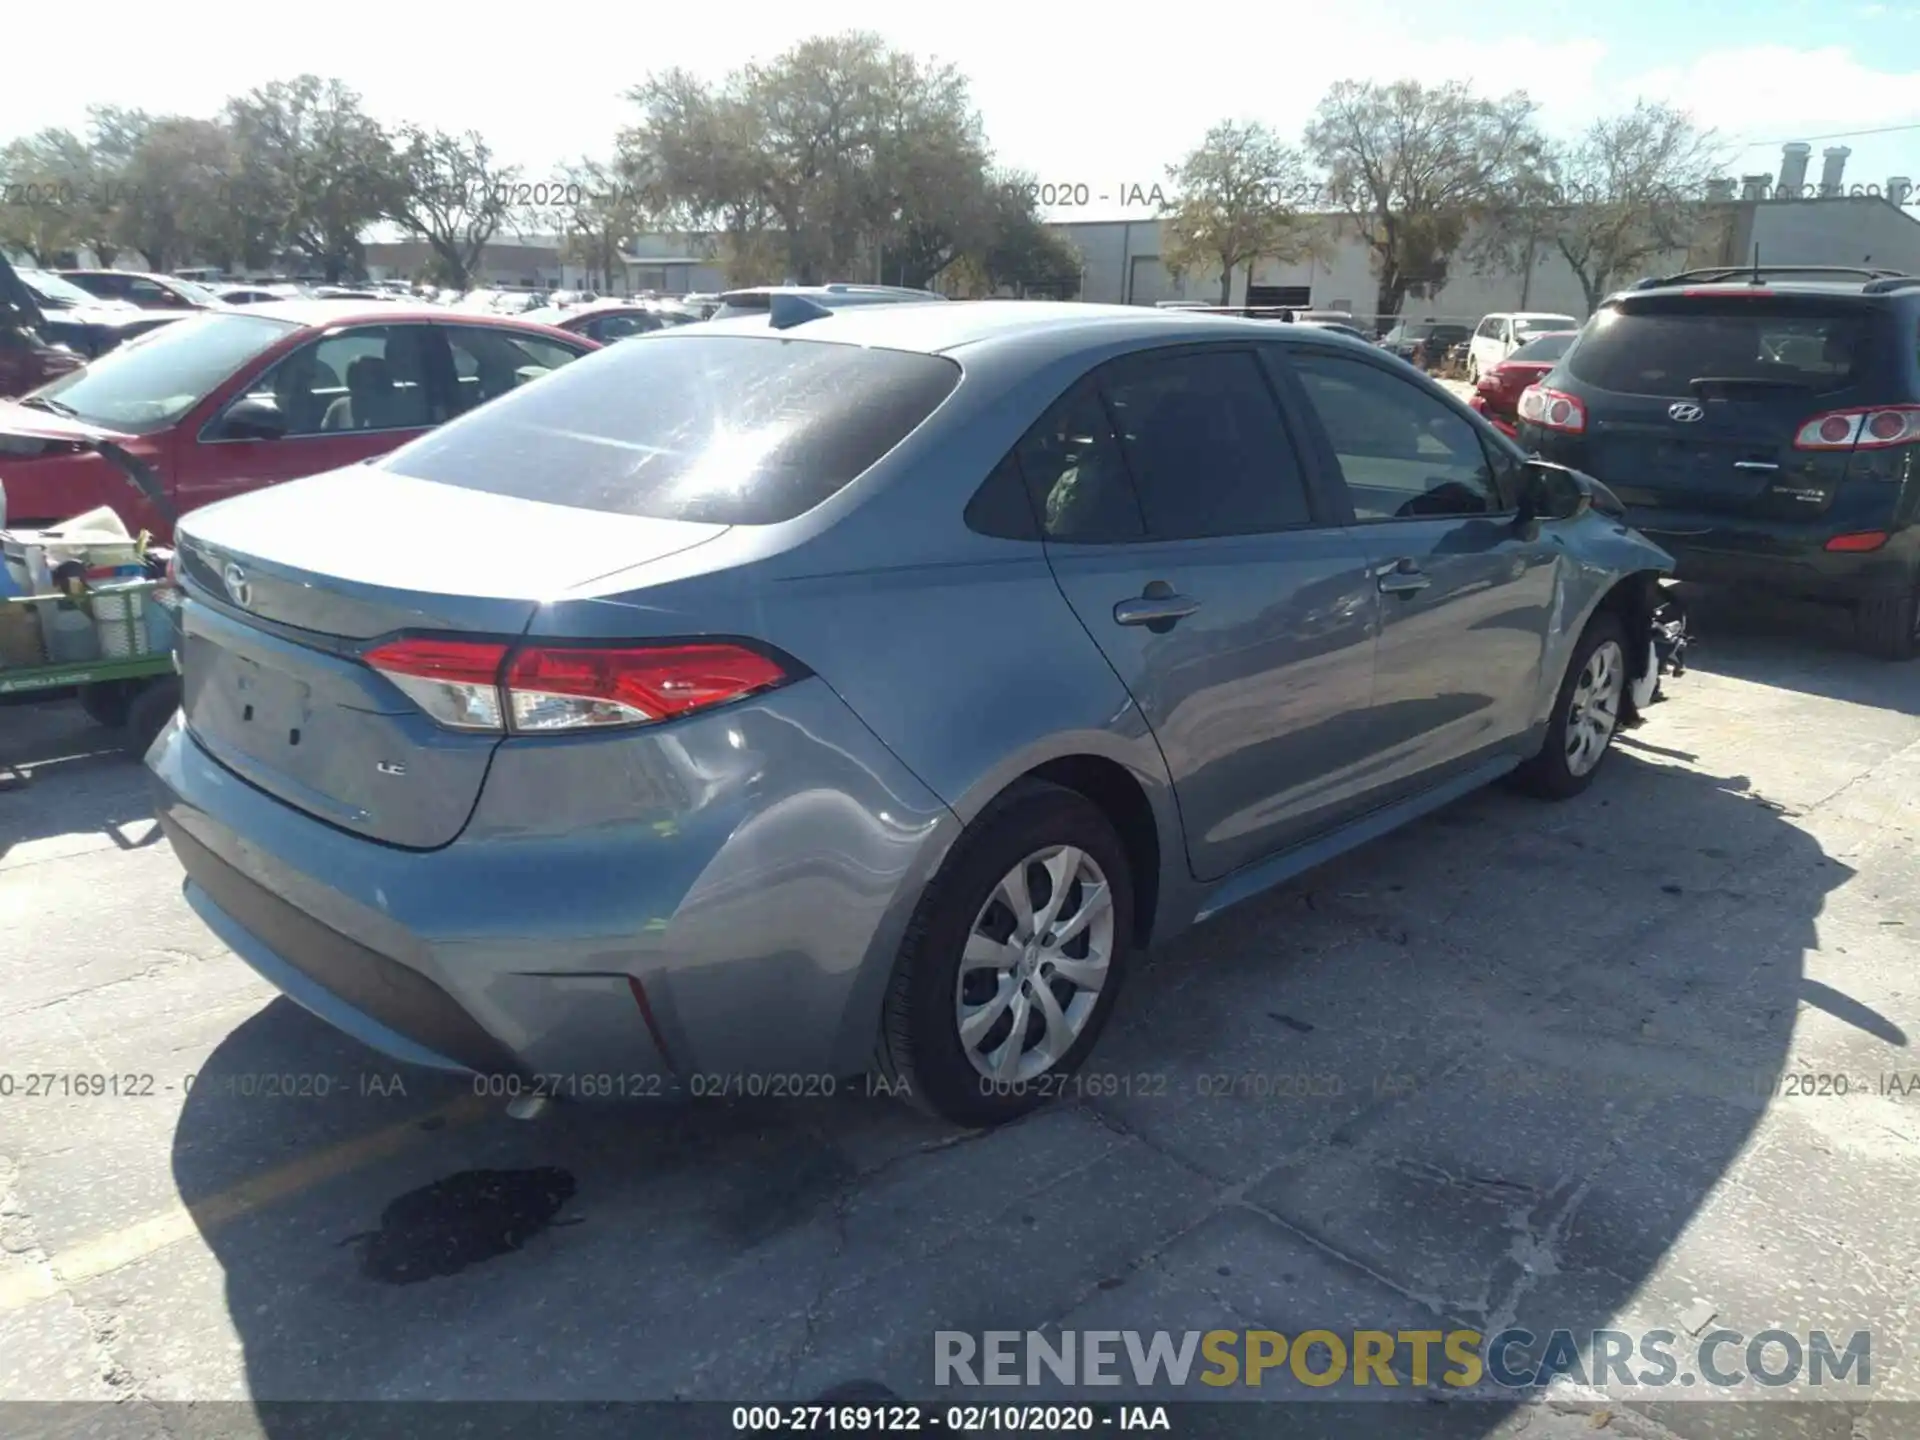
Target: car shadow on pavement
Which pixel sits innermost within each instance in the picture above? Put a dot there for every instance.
(64, 778)
(1793, 645)
(1487, 1071)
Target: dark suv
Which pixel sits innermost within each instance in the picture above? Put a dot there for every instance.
(1424, 342)
(1763, 425)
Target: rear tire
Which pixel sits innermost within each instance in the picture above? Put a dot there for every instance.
(148, 715)
(1889, 625)
(940, 1029)
(1584, 722)
(108, 702)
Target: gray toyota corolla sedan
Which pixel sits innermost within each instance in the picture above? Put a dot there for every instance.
(776, 700)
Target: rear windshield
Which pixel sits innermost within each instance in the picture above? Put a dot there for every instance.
(729, 430)
(1662, 351)
(1547, 347)
(1537, 324)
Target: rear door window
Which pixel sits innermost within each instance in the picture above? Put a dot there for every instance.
(727, 430)
(1076, 473)
(488, 361)
(1205, 445)
(1663, 350)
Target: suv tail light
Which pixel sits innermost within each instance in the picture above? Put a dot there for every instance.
(1874, 428)
(540, 689)
(1552, 410)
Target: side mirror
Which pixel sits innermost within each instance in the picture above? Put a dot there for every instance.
(1552, 492)
(251, 418)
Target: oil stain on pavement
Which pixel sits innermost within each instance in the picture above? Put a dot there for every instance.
(461, 1220)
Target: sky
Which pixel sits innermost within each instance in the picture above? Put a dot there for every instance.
(1103, 97)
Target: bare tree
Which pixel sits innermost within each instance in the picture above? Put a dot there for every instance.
(1628, 191)
(1415, 164)
(609, 214)
(1237, 202)
(453, 195)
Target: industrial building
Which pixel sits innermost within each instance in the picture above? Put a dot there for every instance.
(1831, 223)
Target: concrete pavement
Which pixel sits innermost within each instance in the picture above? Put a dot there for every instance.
(1515, 1065)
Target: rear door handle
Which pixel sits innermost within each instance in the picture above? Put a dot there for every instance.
(1755, 465)
(1401, 577)
(1154, 610)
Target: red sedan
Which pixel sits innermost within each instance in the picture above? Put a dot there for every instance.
(228, 401)
(1497, 394)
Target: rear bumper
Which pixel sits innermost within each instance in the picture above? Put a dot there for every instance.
(1791, 559)
(761, 927)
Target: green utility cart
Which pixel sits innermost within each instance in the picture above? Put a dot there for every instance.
(133, 686)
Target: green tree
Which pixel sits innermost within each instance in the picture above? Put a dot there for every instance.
(173, 203)
(313, 171)
(1237, 202)
(47, 184)
(839, 159)
(1019, 253)
(1415, 165)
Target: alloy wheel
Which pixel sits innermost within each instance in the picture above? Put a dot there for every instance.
(1036, 959)
(1594, 710)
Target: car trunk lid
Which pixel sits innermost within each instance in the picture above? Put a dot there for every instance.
(298, 582)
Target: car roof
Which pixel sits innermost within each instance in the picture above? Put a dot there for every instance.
(132, 274)
(319, 314)
(935, 329)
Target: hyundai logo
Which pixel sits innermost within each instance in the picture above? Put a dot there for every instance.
(1685, 411)
(238, 590)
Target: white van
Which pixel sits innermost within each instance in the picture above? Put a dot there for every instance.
(1498, 336)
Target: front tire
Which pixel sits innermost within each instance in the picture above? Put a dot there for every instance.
(1012, 961)
(1889, 625)
(1586, 714)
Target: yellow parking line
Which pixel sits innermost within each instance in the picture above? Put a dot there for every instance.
(106, 1253)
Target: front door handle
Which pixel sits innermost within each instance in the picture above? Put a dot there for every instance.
(1401, 577)
(1159, 606)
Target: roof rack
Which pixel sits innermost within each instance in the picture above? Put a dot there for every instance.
(1754, 274)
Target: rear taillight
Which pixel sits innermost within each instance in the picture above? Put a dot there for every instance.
(540, 689)
(569, 689)
(1552, 410)
(1858, 543)
(457, 682)
(1873, 428)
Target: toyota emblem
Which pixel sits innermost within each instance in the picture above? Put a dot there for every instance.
(1685, 411)
(238, 590)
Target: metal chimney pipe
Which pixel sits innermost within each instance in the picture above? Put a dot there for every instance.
(1793, 169)
(1899, 189)
(1833, 163)
(1754, 187)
